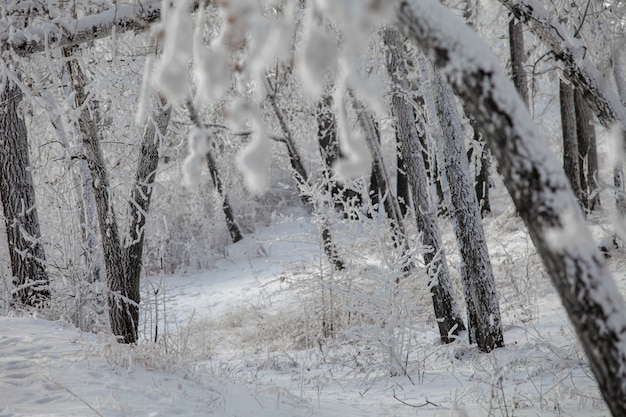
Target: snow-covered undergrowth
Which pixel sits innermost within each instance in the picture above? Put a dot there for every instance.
(271, 330)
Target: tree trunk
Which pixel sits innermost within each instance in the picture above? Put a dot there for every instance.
(123, 296)
(390, 202)
(402, 181)
(231, 223)
(516, 47)
(81, 181)
(538, 187)
(141, 192)
(18, 202)
(484, 323)
(331, 152)
(480, 156)
(447, 312)
(588, 160)
(570, 139)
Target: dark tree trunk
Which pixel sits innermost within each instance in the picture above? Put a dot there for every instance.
(141, 193)
(402, 181)
(570, 139)
(447, 312)
(538, 187)
(231, 223)
(331, 152)
(588, 152)
(18, 202)
(516, 47)
(123, 295)
(480, 157)
(374, 192)
(483, 311)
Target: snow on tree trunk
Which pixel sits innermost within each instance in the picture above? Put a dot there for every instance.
(18, 202)
(447, 311)
(570, 139)
(123, 294)
(141, 192)
(483, 312)
(516, 47)
(538, 187)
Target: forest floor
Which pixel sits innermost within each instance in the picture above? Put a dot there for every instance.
(243, 339)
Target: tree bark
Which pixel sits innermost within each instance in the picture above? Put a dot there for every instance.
(538, 187)
(587, 149)
(123, 295)
(402, 181)
(516, 47)
(141, 192)
(447, 311)
(18, 202)
(390, 202)
(570, 140)
(482, 164)
(483, 311)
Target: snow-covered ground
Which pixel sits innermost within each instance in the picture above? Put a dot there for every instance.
(241, 339)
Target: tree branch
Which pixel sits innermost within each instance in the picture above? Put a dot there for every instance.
(125, 17)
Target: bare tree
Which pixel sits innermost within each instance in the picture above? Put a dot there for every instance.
(483, 311)
(122, 264)
(538, 186)
(18, 202)
(447, 311)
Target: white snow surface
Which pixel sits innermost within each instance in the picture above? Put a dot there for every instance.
(219, 363)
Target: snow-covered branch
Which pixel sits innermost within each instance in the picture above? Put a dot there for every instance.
(537, 184)
(577, 67)
(122, 17)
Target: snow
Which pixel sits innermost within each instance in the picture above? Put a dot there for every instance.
(228, 352)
